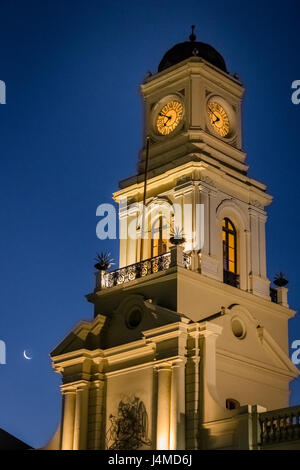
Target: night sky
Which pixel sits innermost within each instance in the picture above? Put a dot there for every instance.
(71, 129)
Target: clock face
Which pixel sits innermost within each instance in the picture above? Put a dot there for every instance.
(218, 118)
(169, 117)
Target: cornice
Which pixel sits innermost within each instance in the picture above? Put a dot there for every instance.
(238, 296)
(191, 66)
(229, 182)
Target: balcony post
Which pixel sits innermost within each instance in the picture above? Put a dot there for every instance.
(282, 298)
(176, 256)
(100, 279)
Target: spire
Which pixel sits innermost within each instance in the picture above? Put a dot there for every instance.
(193, 36)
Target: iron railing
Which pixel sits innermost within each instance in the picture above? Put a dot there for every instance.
(137, 270)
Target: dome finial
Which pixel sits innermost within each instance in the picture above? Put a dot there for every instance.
(193, 36)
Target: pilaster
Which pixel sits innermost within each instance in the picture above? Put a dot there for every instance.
(177, 419)
(69, 399)
(164, 372)
(81, 417)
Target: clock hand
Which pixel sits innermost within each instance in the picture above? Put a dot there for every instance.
(211, 110)
(168, 118)
(164, 115)
(217, 118)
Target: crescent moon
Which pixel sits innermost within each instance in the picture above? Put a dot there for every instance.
(26, 356)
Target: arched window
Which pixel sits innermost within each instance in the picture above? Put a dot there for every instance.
(229, 236)
(159, 244)
(229, 246)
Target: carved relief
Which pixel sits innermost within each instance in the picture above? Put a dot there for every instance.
(128, 429)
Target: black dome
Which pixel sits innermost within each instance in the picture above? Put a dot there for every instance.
(187, 49)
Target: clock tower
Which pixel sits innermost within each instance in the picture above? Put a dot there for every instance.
(193, 118)
(188, 347)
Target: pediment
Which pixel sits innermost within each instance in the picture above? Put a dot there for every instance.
(85, 335)
(254, 346)
(126, 324)
(134, 315)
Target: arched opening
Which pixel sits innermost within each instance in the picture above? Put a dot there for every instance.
(229, 237)
(159, 241)
(232, 404)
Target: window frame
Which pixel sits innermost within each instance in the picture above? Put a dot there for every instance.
(225, 243)
(160, 244)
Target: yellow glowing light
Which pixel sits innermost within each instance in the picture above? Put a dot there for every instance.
(163, 442)
(169, 117)
(172, 440)
(218, 118)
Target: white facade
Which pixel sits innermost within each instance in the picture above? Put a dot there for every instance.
(198, 362)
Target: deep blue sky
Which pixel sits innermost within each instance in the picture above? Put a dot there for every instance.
(71, 129)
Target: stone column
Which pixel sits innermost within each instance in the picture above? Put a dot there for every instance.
(254, 242)
(123, 231)
(204, 199)
(68, 419)
(210, 408)
(132, 249)
(260, 285)
(81, 417)
(262, 246)
(177, 418)
(188, 217)
(248, 260)
(96, 425)
(163, 406)
(211, 252)
(192, 391)
(214, 231)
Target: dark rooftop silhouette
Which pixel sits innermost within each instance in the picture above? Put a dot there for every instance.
(192, 48)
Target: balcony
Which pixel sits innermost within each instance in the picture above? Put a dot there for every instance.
(231, 279)
(280, 429)
(176, 257)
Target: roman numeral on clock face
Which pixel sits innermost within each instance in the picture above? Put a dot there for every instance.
(169, 117)
(218, 118)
